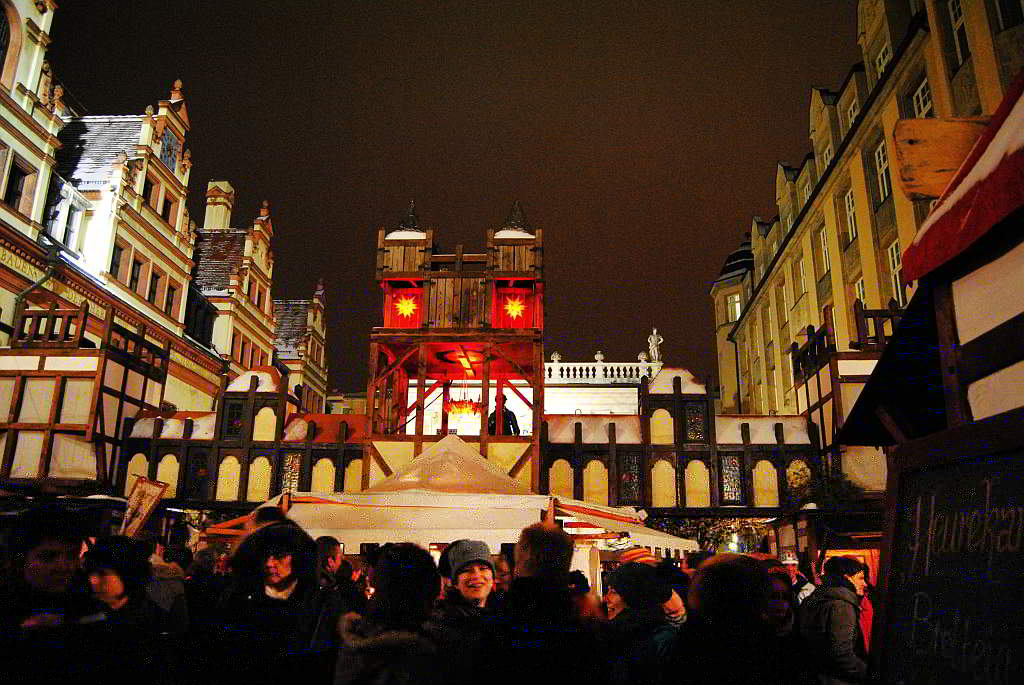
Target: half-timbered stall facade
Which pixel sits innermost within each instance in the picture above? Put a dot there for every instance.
(63, 398)
(257, 444)
(461, 332)
(301, 345)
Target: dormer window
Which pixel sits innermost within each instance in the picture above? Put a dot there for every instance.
(851, 114)
(169, 149)
(882, 59)
(959, 26)
(826, 156)
(922, 100)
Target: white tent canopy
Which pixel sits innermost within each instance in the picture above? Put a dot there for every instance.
(450, 492)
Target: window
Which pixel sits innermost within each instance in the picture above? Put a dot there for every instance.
(244, 360)
(959, 26)
(115, 261)
(895, 271)
(167, 209)
(805, 191)
(234, 346)
(259, 297)
(1011, 13)
(882, 172)
(826, 156)
(801, 278)
(851, 114)
(922, 99)
(17, 184)
(172, 292)
(154, 288)
(732, 307)
(882, 59)
(858, 290)
(851, 216)
(147, 190)
(825, 264)
(5, 37)
(136, 273)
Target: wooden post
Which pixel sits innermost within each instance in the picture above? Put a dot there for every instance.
(499, 408)
(748, 466)
(421, 389)
(613, 467)
(371, 413)
(577, 460)
(446, 393)
(538, 410)
(485, 399)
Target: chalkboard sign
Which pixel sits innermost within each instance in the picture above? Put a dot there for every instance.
(954, 567)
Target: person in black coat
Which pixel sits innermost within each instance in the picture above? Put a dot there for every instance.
(537, 637)
(275, 619)
(396, 642)
(829, 620)
(638, 635)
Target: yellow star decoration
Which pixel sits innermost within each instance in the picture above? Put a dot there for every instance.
(514, 307)
(406, 306)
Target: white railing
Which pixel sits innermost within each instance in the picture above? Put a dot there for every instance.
(599, 373)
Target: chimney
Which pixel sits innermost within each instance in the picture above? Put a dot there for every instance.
(220, 199)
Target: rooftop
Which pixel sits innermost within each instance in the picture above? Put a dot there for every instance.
(91, 145)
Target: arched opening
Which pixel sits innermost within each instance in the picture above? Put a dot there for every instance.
(138, 467)
(354, 476)
(259, 480)
(264, 425)
(766, 484)
(663, 484)
(10, 43)
(323, 476)
(662, 428)
(595, 482)
(167, 472)
(697, 481)
(227, 479)
(560, 479)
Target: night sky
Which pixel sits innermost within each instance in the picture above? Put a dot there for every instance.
(642, 137)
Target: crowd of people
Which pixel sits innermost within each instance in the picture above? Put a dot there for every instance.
(284, 606)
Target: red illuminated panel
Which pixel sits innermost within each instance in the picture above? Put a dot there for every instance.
(404, 308)
(513, 308)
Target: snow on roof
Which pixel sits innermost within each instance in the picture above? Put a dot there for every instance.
(269, 380)
(762, 429)
(450, 465)
(561, 428)
(401, 234)
(661, 384)
(203, 423)
(328, 427)
(513, 233)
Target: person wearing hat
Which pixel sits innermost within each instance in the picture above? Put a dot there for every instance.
(638, 635)
(802, 588)
(472, 571)
(463, 609)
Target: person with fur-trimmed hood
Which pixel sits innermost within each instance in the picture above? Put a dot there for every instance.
(275, 614)
(396, 642)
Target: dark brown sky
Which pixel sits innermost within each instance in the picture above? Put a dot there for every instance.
(641, 136)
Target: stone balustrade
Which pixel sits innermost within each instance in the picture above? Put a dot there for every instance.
(599, 372)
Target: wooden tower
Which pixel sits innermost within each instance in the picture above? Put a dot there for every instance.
(464, 320)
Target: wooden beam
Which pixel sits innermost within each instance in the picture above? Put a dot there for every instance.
(499, 408)
(538, 412)
(523, 459)
(522, 373)
(377, 457)
(391, 368)
(520, 395)
(890, 424)
(930, 151)
(446, 394)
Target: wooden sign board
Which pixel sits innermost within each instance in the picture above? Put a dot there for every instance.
(952, 565)
(142, 500)
(930, 151)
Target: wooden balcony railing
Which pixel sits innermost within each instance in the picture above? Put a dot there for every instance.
(55, 328)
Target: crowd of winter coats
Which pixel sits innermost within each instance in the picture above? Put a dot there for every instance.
(288, 608)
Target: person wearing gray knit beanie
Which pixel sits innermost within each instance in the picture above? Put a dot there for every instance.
(472, 571)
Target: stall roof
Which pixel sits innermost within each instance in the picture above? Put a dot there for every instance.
(985, 190)
(906, 382)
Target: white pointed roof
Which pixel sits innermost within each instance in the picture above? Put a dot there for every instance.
(450, 465)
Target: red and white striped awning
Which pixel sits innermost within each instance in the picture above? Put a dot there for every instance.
(987, 188)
